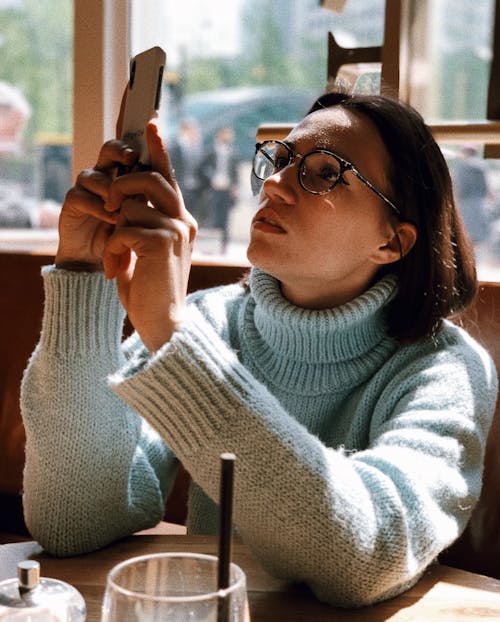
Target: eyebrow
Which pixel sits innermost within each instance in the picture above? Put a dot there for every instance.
(292, 145)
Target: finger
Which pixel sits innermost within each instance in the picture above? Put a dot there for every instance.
(115, 263)
(144, 238)
(137, 212)
(94, 182)
(153, 186)
(115, 152)
(160, 160)
(127, 240)
(98, 183)
(80, 200)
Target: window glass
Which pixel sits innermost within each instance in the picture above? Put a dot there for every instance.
(451, 55)
(263, 62)
(450, 64)
(36, 43)
(476, 184)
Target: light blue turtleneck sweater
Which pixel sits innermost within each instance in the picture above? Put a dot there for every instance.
(358, 459)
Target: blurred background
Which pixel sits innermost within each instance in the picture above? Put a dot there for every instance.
(232, 65)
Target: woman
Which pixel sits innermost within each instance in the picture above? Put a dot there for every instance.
(359, 415)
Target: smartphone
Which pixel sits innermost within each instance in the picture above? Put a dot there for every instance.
(143, 99)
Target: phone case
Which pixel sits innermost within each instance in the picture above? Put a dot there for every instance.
(143, 98)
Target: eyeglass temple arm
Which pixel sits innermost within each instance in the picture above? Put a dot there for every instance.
(375, 190)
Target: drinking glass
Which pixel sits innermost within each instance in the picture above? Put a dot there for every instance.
(173, 587)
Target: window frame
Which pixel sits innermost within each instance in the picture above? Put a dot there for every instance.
(101, 55)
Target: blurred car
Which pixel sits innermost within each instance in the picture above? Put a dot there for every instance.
(243, 109)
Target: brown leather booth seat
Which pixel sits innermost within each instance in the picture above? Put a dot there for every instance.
(21, 304)
(478, 549)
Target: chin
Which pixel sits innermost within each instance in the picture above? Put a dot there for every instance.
(269, 259)
(260, 257)
(266, 266)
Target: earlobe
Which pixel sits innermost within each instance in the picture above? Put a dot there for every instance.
(402, 241)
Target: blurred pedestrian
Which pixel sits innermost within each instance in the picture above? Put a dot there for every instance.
(15, 112)
(186, 154)
(471, 191)
(220, 168)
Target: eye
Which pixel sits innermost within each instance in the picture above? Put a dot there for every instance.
(323, 167)
(328, 172)
(280, 161)
(280, 157)
(320, 172)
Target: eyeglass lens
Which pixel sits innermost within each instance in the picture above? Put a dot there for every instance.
(319, 171)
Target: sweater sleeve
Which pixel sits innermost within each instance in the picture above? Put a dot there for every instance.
(95, 471)
(356, 527)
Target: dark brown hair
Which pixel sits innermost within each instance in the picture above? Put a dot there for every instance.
(437, 278)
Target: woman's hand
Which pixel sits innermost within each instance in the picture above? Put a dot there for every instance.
(149, 251)
(84, 224)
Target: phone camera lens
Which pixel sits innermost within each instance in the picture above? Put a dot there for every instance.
(132, 73)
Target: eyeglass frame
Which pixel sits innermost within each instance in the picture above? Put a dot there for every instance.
(345, 166)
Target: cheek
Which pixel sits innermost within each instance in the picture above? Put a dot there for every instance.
(338, 233)
(326, 228)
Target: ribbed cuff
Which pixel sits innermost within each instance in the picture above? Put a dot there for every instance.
(189, 389)
(82, 312)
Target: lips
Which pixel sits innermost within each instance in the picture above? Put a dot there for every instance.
(266, 219)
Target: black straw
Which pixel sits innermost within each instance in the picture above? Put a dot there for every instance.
(225, 528)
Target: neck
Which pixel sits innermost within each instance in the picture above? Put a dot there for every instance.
(311, 294)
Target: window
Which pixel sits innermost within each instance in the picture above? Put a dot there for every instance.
(449, 72)
(36, 90)
(264, 62)
(283, 45)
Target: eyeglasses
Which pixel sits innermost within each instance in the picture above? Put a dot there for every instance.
(319, 170)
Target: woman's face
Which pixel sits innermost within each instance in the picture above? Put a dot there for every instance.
(326, 249)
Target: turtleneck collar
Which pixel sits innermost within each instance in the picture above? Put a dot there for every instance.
(330, 347)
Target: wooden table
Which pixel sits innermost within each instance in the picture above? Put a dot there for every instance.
(444, 594)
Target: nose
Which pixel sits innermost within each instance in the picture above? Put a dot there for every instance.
(282, 184)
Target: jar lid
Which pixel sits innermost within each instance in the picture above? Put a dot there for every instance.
(28, 574)
(40, 595)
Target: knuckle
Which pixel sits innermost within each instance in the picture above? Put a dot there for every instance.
(83, 176)
(75, 192)
(113, 146)
(178, 230)
(75, 197)
(174, 233)
(192, 228)
(70, 196)
(156, 177)
(161, 240)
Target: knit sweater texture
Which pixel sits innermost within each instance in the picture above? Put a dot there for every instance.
(358, 459)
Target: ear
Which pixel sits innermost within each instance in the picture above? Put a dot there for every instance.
(404, 236)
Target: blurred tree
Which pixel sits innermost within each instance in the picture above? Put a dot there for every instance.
(267, 61)
(36, 43)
